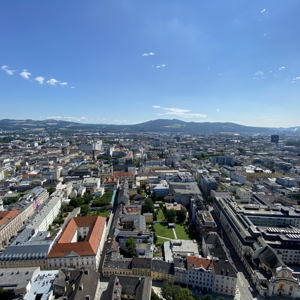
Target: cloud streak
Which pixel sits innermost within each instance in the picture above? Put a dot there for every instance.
(259, 73)
(148, 54)
(9, 72)
(283, 67)
(87, 120)
(264, 10)
(184, 113)
(25, 74)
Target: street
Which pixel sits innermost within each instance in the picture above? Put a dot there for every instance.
(243, 281)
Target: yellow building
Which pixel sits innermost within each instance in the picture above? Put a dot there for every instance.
(254, 173)
(42, 263)
(148, 217)
(162, 270)
(142, 181)
(283, 283)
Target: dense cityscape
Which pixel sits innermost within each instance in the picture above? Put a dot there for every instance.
(149, 215)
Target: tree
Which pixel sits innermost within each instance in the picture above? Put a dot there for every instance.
(170, 215)
(210, 199)
(68, 208)
(148, 207)
(154, 197)
(161, 206)
(153, 295)
(84, 210)
(76, 202)
(220, 298)
(139, 190)
(207, 297)
(181, 215)
(130, 248)
(4, 294)
(51, 190)
(176, 292)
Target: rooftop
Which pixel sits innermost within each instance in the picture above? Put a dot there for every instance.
(196, 262)
(89, 246)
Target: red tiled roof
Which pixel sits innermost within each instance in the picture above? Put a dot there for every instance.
(5, 216)
(89, 246)
(110, 180)
(194, 262)
(123, 174)
(129, 155)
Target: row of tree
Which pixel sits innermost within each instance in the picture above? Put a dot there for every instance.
(104, 200)
(176, 292)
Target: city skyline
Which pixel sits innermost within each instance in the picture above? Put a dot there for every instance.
(94, 62)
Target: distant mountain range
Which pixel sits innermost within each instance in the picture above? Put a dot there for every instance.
(160, 125)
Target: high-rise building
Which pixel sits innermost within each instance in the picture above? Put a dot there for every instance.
(275, 138)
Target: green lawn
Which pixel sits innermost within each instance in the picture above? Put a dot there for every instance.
(98, 213)
(180, 232)
(163, 230)
(160, 216)
(161, 241)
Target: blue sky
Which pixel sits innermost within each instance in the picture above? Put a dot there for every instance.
(129, 61)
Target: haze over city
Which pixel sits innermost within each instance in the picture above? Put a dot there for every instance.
(126, 62)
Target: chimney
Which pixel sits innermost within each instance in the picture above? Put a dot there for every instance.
(73, 287)
(140, 280)
(117, 282)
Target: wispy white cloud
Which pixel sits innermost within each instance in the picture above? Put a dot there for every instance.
(148, 54)
(40, 80)
(72, 87)
(264, 10)
(9, 72)
(25, 74)
(296, 78)
(259, 73)
(76, 119)
(162, 66)
(52, 81)
(63, 83)
(157, 66)
(88, 120)
(217, 109)
(283, 67)
(265, 34)
(184, 113)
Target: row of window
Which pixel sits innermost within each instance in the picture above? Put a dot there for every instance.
(199, 282)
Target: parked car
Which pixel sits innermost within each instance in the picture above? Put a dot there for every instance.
(250, 289)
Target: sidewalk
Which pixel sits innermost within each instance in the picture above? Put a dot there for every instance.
(175, 233)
